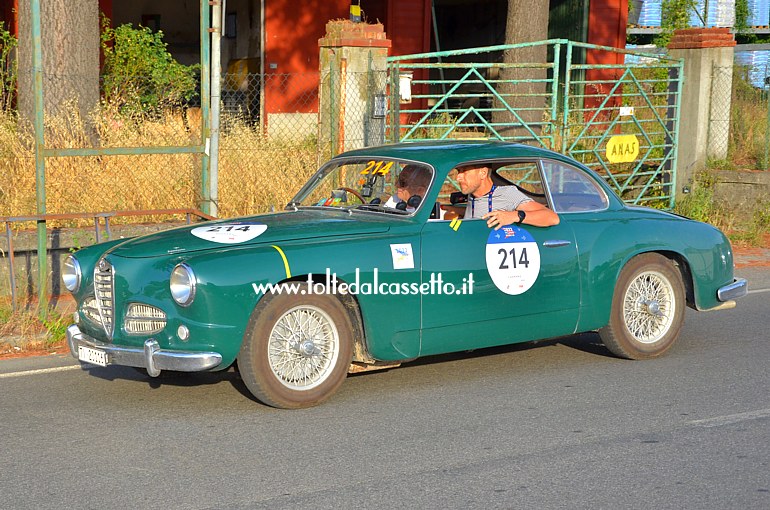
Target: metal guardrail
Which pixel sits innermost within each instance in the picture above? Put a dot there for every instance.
(8, 220)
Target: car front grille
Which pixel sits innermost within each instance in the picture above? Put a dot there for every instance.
(91, 311)
(104, 291)
(144, 319)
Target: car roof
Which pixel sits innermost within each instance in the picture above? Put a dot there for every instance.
(453, 152)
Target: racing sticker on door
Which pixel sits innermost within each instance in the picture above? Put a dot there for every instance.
(513, 259)
(229, 233)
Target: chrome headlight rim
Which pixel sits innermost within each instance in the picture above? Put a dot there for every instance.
(71, 275)
(182, 284)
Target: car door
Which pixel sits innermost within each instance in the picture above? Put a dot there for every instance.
(492, 287)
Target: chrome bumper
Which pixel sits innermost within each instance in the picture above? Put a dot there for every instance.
(150, 357)
(737, 289)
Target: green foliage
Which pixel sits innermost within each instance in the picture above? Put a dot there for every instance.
(8, 73)
(140, 75)
(675, 15)
(56, 324)
(27, 326)
(742, 20)
(699, 203)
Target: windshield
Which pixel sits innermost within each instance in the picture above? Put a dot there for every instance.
(381, 185)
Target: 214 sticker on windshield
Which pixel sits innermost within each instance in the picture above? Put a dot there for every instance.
(513, 259)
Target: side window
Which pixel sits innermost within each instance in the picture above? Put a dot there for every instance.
(525, 175)
(450, 199)
(571, 189)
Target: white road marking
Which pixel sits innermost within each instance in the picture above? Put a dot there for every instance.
(38, 372)
(732, 418)
(757, 291)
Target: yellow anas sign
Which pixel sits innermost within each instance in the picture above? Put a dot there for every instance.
(622, 149)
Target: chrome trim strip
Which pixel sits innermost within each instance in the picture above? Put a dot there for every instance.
(555, 243)
(104, 292)
(739, 288)
(150, 356)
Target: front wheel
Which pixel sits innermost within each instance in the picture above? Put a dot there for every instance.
(647, 308)
(296, 352)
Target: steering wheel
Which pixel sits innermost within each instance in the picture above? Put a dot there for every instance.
(354, 193)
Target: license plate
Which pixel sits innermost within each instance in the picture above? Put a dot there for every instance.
(94, 356)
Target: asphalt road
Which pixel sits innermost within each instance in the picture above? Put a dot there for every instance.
(559, 424)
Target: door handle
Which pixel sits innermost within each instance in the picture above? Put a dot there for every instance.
(555, 243)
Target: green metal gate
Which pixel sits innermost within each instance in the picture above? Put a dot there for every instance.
(619, 117)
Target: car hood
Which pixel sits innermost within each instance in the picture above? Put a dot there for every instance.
(254, 230)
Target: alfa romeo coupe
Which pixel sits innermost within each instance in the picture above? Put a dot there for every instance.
(357, 274)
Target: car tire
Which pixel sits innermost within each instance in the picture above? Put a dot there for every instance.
(647, 308)
(297, 350)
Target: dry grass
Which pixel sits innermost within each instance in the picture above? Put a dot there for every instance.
(748, 128)
(24, 330)
(255, 173)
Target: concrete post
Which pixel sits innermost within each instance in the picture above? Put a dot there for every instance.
(352, 89)
(703, 50)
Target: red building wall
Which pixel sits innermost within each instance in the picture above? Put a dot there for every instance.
(409, 27)
(8, 16)
(292, 30)
(607, 20)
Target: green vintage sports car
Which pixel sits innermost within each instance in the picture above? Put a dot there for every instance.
(372, 264)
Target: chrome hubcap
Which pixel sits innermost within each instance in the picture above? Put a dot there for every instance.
(652, 307)
(303, 347)
(306, 348)
(649, 307)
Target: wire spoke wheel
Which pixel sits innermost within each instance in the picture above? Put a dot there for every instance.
(303, 347)
(647, 308)
(296, 351)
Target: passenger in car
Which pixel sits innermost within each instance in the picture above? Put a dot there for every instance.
(413, 181)
(500, 205)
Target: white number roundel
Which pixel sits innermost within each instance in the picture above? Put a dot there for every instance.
(229, 233)
(513, 259)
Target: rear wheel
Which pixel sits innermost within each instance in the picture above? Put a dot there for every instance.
(297, 350)
(647, 308)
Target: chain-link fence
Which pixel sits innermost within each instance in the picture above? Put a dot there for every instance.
(719, 111)
(749, 122)
(268, 144)
(268, 148)
(353, 111)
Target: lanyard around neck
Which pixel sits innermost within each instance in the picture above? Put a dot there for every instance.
(489, 201)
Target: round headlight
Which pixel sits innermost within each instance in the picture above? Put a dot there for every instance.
(70, 274)
(182, 284)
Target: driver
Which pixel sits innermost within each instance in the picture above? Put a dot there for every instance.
(412, 181)
(500, 205)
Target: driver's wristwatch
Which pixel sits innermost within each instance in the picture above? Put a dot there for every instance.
(522, 215)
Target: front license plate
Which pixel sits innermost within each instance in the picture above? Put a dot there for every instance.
(94, 356)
